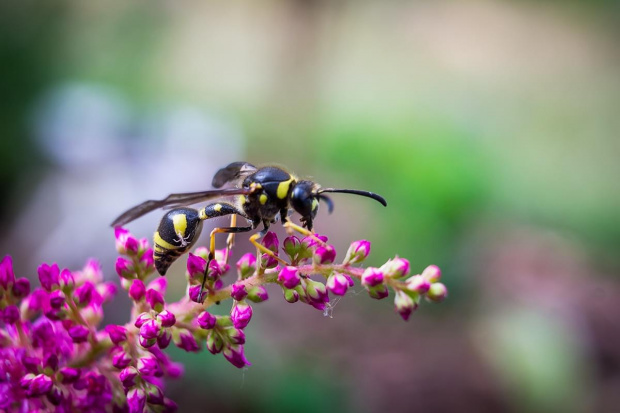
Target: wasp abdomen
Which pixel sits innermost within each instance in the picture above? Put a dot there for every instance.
(177, 232)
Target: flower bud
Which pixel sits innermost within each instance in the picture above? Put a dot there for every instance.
(166, 318)
(215, 270)
(417, 284)
(159, 284)
(324, 254)
(196, 267)
(84, 294)
(215, 344)
(234, 354)
(124, 268)
(164, 339)
(106, 290)
(39, 385)
(55, 396)
(258, 294)
(154, 395)
(117, 334)
(21, 288)
(150, 329)
(142, 318)
(378, 292)
(270, 241)
(186, 341)
(68, 375)
(316, 291)
(404, 304)
(206, 320)
(136, 400)
(289, 277)
(67, 281)
(125, 242)
(7, 276)
(372, 277)
(155, 299)
(57, 299)
(432, 273)
(236, 335)
(121, 360)
(337, 283)
(238, 291)
(291, 246)
(437, 293)
(48, 276)
(137, 291)
(194, 294)
(10, 314)
(128, 376)
(314, 240)
(147, 366)
(396, 268)
(246, 265)
(241, 314)
(358, 251)
(291, 296)
(147, 342)
(78, 333)
(147, 261)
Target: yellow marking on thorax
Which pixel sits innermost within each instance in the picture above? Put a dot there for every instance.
(283, 188)
(158, 240)
(202, 214)
(217, 207)
(315, 204)
(179, 221)
(263, 199)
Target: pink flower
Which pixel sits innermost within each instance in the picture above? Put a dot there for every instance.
(241, 314)
(289, 277)
(7, 277)
(357, 252)
(235, 355)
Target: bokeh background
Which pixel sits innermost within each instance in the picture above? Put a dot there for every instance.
(491, 127)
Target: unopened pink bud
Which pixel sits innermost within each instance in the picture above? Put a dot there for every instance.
(289, 277)
(372, 277)
(357, 252)
(437, 293)
(418, 284)
(432, 273)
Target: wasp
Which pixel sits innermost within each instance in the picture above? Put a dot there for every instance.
(259, 194)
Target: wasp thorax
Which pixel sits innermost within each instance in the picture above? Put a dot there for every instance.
(304, 199)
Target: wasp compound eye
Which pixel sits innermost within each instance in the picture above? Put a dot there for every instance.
(303, 199)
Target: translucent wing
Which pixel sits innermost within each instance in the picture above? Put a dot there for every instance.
(232, 173)
(173, 201)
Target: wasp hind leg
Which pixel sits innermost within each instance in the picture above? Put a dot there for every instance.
(217, 210)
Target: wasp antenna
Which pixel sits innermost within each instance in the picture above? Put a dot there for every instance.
(328, 201)
(367, 194)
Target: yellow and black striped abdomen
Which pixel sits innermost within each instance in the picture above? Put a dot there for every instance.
(177, 232)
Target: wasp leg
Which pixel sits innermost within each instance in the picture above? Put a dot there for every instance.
(229, 230)
(230, 241)
(261, 248)
(217, 210)
(294, 227)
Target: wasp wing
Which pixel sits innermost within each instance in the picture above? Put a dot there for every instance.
(232, 173)
(173, 201)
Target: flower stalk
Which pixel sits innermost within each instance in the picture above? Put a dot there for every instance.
(58, 355)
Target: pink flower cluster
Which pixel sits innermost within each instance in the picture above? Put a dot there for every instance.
(57, 355)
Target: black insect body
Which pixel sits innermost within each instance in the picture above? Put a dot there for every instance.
(261, 195)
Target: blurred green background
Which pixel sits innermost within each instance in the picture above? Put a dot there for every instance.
(491, 127)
